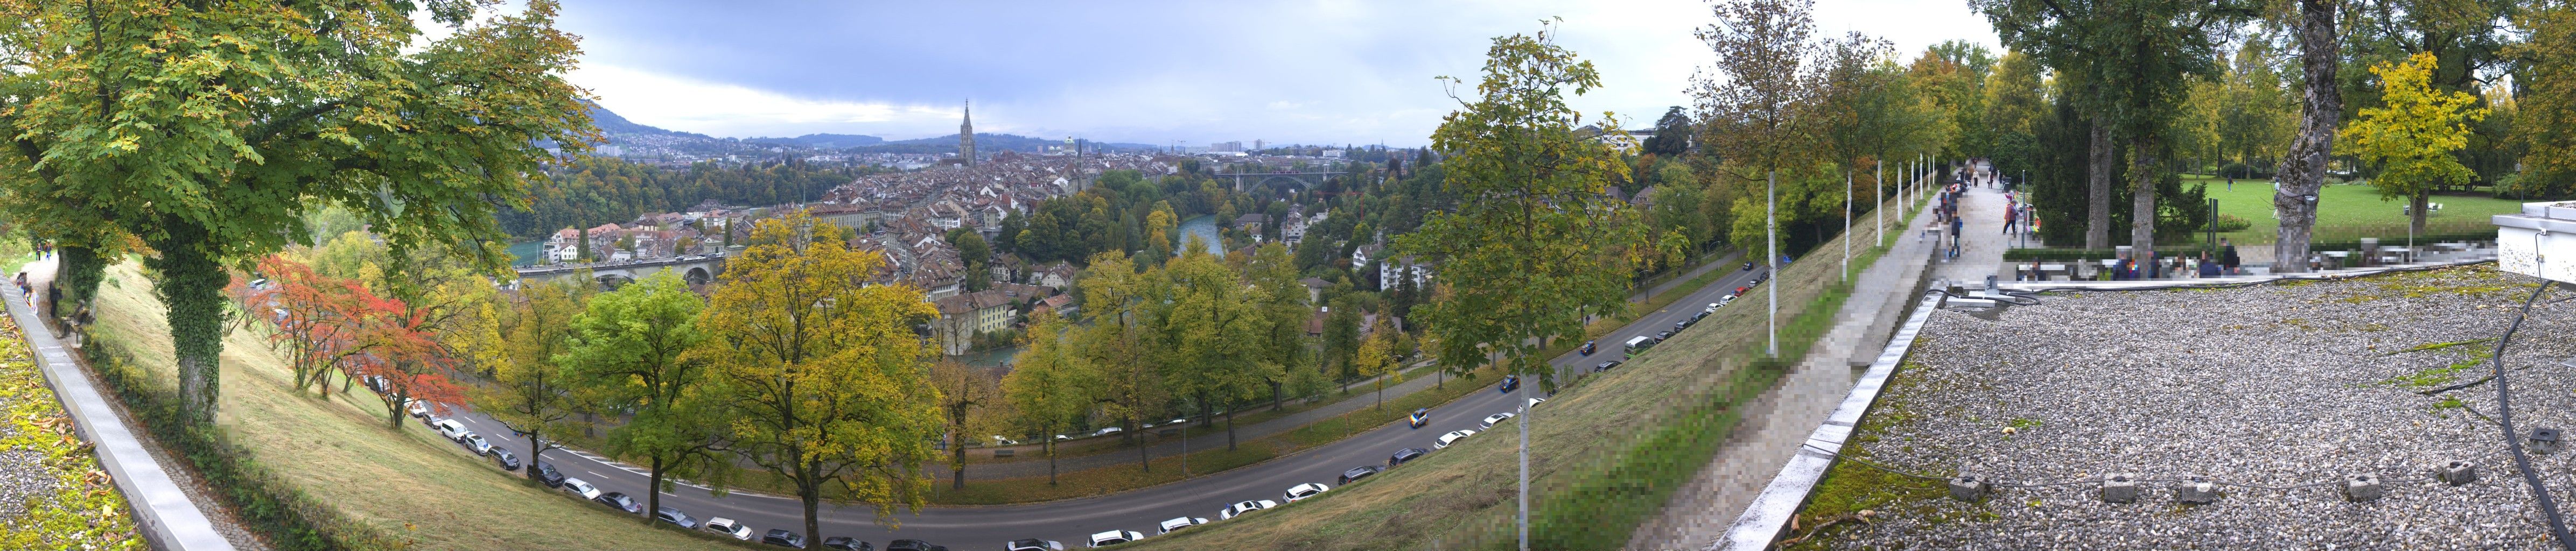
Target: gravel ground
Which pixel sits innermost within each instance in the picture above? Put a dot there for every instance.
(2275, 385)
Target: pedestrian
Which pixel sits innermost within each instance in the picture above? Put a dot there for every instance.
(22, 282)
(2227, 256)
(2208, 268)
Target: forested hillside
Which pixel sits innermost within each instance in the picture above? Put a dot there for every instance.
(596, 191)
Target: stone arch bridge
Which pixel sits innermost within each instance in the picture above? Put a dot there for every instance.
(1306, 179)
(696, 269)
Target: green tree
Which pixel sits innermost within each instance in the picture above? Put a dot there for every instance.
(827, 382)
(278, 107)
(964, 391)
(1047, 383)
(2413, 134)
(528, 389)
(1375, 358)
(1535, 243)
(631, 350)
(2546, 107)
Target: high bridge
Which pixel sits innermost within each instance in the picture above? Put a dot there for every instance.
(696, 269)
(1311, 179)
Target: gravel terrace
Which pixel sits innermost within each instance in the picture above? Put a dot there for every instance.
(2273, 385)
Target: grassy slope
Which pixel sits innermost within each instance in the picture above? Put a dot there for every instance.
(411, 485)
(1604, 450)
(2349, 211)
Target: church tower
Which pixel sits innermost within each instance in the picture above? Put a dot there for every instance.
(966, 137)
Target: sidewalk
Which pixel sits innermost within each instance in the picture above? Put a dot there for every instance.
(1775, 424)
(161, 509)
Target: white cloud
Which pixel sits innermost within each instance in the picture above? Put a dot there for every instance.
(731, 110)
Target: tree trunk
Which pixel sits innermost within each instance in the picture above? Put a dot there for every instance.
(2097, 217)
(2143, 169)
(79, 271)
(1144, 453)
(813, 522)
(394, 413)
(957, 469)
(1049, 437)
(2415, 213)
(192, 286)
(653, 491)
(2303, 173)
(1275, 402)
(1229, 428)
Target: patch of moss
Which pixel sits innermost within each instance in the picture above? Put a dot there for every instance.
(1850, 487)
(2438, 376)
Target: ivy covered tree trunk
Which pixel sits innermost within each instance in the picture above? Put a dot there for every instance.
(2143, 168)
(2303, 173)
(192, 286)
(2097, 178)
(78, 275)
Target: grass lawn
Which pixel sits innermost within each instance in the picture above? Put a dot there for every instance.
(1605, 453)
(2350, 211)
(409, 484)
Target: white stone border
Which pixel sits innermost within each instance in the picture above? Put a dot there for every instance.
(1762, 521)
(162, 512)
(2475, 257)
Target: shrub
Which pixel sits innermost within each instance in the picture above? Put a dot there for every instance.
(2230, 222)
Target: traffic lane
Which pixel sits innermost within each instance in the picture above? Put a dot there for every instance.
(1069, 520)
(1610, 346)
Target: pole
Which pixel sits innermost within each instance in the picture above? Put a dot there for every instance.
(1878, 195)
(1847, 181)
(1771, 242)
(1526, 411)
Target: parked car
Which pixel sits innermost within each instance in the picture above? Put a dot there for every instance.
(1033, 544)
(1496, 418)
(1712, 307)
(912, 545)
(1182, 522)
(1241, 507)
(450, 429)
(998, 440)
(1739, 291)
(418, 408)
(1748, 266)
(1421, 417)
(1694, 319)
(509, 461)
(1725, 300)
(546, 473)
(475, 442)
(1533, 402)
(1587, 348)
(1105, 431)
(621, 502)
(581, 488)
(676, 518)
(1114, 537)
(1663, 336)
(1678, 326)
(1303, 491)
(1359, 472)
(1605, 366)
(729, 527)
(1511, 383)
(846, 543)
(783, 538)
(1403, 455)
(1452, 438)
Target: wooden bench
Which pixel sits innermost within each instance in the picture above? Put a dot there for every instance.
(1005, 453)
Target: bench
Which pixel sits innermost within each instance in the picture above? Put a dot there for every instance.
(1004, 453)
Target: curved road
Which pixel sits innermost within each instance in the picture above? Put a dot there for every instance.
(1072, 521)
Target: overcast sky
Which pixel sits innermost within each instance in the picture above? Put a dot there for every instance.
(1144, 72)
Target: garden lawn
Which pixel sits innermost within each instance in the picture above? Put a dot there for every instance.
(409, 484)
(2349, 211)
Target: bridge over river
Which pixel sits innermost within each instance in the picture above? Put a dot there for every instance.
(696, 269)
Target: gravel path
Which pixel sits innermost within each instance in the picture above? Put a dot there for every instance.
(2271, 385)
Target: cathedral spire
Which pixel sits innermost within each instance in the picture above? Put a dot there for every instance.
(966, 137)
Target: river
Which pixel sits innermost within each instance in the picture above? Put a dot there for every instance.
(1204, 227)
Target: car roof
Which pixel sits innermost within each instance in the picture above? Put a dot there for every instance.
(1110, 534)
(1183, 521)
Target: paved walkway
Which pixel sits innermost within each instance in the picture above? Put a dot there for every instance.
(161, 509)
(1775, 424)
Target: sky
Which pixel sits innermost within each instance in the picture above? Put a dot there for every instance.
(1194, 73)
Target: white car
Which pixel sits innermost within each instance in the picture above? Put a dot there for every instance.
(1533, 403)
(450, 429)
(581, 488)
(1112, 537)
(1231, 511)
(1303, 491)
(1106, 431)
(728, 527)
(1452, 438)
(1182, 522)
(1724, 300)
(475, 442)
(998, 440)
(1497, 418)
(419, 408)
(1033, 544)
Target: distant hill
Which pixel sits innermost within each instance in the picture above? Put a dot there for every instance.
(609, 122)
(820, 141)
(989, 143)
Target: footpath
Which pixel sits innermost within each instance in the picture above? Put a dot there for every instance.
(1777, 423)
(1032, 463)
(161, 508)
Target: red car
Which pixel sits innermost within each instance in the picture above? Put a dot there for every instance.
(1739, 291)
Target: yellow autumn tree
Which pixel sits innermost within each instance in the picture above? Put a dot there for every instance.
(828, 385)
(2413, 134)
(1376, 357)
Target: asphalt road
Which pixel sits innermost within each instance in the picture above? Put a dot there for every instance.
(1072, 521)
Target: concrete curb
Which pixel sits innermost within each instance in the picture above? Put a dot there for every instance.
(1761, 523)
(2476, 257)
(161, 510)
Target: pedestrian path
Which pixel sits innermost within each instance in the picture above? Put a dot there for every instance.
(161, 509)
(1780, 420)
